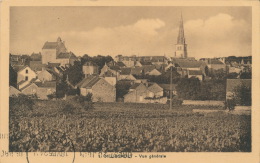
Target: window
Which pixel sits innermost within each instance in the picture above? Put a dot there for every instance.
(26, 71)
(26, 78)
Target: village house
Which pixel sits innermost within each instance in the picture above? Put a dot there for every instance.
(40, 89)
(114, 70)
(56, 52)
(90, 68)
(101, 90)
(37, 66)
(145, 93)
(195, 73)
(24, 76)
(66, 59)
(13, 91)
(47, 75)
(214, 64)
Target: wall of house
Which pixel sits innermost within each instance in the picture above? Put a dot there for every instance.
(111, 80)
(217, 66)
(63, 61)
(20, 86)
(26, 72)
(48, 55)
(42, 92)
(30, 90)
(89, 70)
(102, 91)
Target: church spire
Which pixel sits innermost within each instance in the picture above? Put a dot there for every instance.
(181, 46)
(181, 38)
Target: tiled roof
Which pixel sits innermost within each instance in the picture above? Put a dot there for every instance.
(50, 45)
(195, 72)
(46, 84)
(116, 68)
(17, 68)
(168, 86)
(155, 88)
(233, 83)
(190, 64)
(53, 64)
(21, 82)
(137, 71)
(66, 55)
(27, 86)
(134, 86)
(108, 73)
(215, 61)
(36, 65)
(125, 71)
(88, 82)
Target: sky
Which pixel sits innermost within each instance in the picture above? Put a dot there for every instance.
(133, 30)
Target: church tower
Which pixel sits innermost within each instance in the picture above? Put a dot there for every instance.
(181, 46)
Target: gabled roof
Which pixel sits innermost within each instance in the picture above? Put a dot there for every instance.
(233, 83)
(50, 45)
(109, 73)
(88, 82)
(125, 71)
(195, 72)
(215, 61)
(28, 85)
(37, 65)
(67, 55)
(135, 85)
(155, 88)
(13, 91)
(17, 68)
(46, 84)
(137, 70)
(116, 68)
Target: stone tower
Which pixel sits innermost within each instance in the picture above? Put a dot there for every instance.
(181, 46)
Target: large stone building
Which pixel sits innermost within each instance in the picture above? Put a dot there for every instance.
(56, 52)
(181, 46)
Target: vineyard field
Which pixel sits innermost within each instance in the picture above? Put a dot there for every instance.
(123, 127)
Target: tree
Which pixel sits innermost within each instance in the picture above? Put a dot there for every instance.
(232, 75)
(12, 76)
(242, 95)
(246, 75)
(188, 88)
(122, 88)
(74, 73)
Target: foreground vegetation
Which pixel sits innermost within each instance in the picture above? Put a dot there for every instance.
(126, 127)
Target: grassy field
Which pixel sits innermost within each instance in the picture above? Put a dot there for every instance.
(117, 127)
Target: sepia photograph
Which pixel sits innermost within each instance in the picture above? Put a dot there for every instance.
(130, 79)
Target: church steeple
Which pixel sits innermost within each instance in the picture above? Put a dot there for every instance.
(181, 46)
(181, 38)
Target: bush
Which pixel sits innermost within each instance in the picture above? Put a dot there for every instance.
(82, 102)
(20, 104)
(230, 104)
(243, 95)
(67, 108)
(175, 101)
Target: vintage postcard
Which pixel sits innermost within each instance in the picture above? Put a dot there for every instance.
(113, 81)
